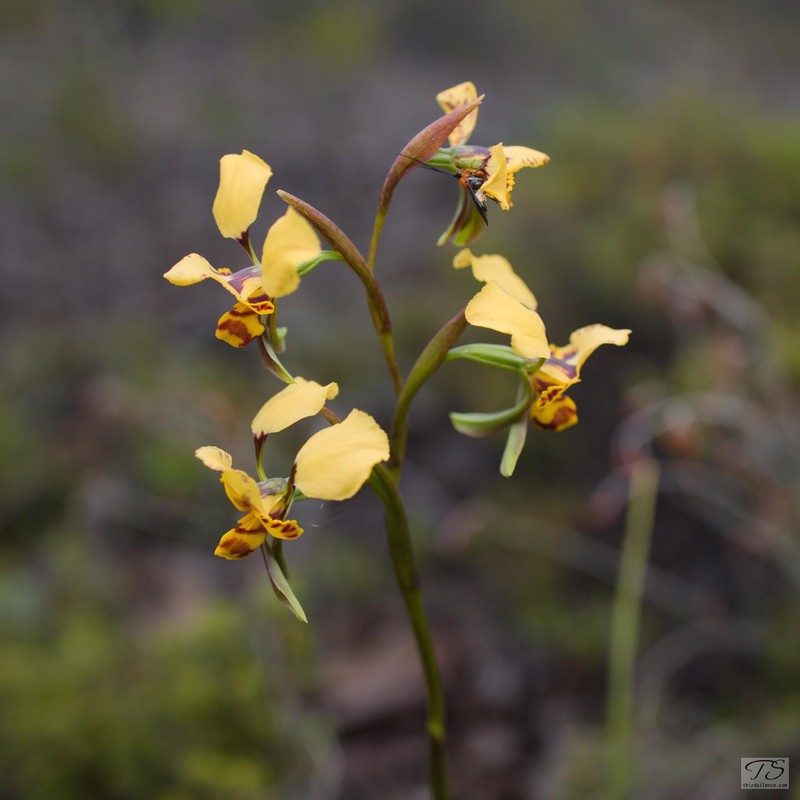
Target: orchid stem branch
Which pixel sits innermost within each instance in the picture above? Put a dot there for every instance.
(377, 228)
(401, 551)
(428, 362)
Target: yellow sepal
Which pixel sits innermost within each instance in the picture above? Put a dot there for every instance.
(289, 242)
(334, 463)
(453, 98)
(518, 157)
(496, 309)
(297, 401)
(214, 457)
(496, 268)
(242, 179)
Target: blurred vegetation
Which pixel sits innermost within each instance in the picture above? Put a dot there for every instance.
(134, 664)
(96, 706)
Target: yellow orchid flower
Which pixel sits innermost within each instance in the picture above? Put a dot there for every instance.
(265, 504)
(552, 409)
(507, 305)
(496, 166)
(290, 241)
(332, 465)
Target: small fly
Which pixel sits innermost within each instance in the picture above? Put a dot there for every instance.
(471, 179)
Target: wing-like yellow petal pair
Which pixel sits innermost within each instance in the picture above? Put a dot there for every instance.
(518, 157)
(334, 463)
(564, 364)
(496, 309)
(297, 401)
(496, 268)
(243, 285)
(242, 180)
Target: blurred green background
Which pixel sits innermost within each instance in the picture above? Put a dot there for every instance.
(134, 664)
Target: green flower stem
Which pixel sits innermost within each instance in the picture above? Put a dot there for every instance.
(428, 362)
(401, 551)
(625, 626)
(377, 228)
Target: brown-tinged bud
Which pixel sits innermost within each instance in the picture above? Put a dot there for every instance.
(423, 147)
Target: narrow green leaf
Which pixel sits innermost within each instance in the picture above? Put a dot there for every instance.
(500, 356)
(281, 586)
(482, 424)
(514, 444)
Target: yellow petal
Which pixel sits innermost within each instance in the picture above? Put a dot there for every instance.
(496, 268)
(242, 180)
(548, 390)
(239, 542)
(214, 458)
(244, 285)
(518, 157)
(297, 401)
(463, 259)
(564, 364)
(290, 241)
(334, 464)
(190, 269)
(239, 326)
(453, 98)
(497, 310)
(496, 184)
(283, 528)
(242, 491)
(556, 416)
